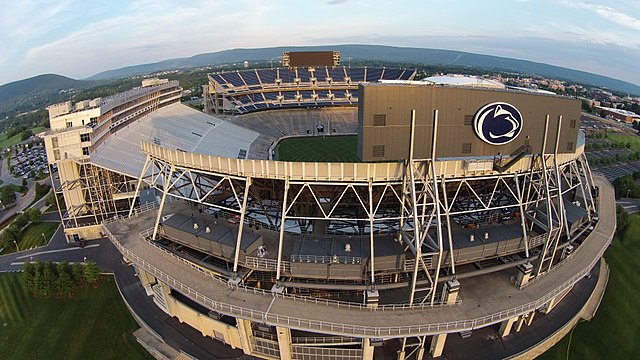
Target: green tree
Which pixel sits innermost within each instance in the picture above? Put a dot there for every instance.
(64, 281)
(41, 190)
(38, 281)
(27, 277)
(622, 218)
(21, 220)
(77, 274)
(34, 215)
(48, 279)
(92, 273)
(10, 234)
(7, 196)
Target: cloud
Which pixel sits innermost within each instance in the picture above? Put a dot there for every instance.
(607, 13)
(336, 2)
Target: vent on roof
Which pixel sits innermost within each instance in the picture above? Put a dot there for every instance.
(379, 120)
(466, 148)
(378, 151)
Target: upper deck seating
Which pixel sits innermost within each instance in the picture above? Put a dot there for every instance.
(261, 89)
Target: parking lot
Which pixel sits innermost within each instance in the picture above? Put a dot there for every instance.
(614, 171)
(28, 162)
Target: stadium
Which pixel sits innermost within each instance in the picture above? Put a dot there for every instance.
(469, 210)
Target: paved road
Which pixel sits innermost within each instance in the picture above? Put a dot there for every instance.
(21, 203)
(630, 205)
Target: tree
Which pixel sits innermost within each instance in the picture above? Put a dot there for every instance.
(92, 273)
(48, 279)
(21, 220)
(64, 282)
(50, 200)
(622, 218)
(38, 267)
(77, 274)
(24, 182)
(7, 196)
(41, 190)
(10, 234)
(27, 277)
(34, 215)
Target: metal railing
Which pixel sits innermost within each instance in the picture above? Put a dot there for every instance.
(145, 235)
(326, 259)
(342, 328)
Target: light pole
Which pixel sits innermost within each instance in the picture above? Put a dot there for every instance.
(44, 238)
(628, 192)
(17, 248)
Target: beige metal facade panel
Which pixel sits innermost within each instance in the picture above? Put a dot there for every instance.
(454, 105)
(76, 119)
(67, 144)
(361, 172)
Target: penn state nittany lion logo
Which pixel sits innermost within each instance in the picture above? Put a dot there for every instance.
(498, 123)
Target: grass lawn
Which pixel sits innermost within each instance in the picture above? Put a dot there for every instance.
(6, 142)
(633, 140)
(614, 333)
(329, 149)
(95, 324)
(32, 236)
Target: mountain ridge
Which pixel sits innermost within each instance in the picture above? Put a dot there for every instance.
(418, 56)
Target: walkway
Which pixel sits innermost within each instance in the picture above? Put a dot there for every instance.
(487, 299)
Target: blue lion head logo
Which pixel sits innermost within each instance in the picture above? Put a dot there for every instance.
(498, 123)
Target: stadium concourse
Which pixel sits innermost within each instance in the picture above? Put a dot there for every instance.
(471, 211)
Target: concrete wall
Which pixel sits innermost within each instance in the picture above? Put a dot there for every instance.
(203, 323)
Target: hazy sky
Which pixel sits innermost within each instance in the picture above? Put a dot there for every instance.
(81, 38)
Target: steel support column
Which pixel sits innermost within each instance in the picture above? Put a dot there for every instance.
(243, 210)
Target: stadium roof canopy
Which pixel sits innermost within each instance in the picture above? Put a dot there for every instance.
(463, 80)
(177, 127)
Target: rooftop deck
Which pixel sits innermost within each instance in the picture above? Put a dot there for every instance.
(487, 299)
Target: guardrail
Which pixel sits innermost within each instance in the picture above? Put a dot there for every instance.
(342, 328)
(145, 235)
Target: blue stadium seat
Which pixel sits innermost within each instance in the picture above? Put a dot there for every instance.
(286, 76)
(306, 94)
(321, 74)
(233, 78)
(392, 74)
(406, 75)
(338, 93)
(304, 75)
(337, 74)
(322, 94)
(271, 95)
(374, 74)
(219, 79)
(356, 74)
(250, 77)
(268, 76)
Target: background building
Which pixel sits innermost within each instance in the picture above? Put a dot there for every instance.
(92, 193)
